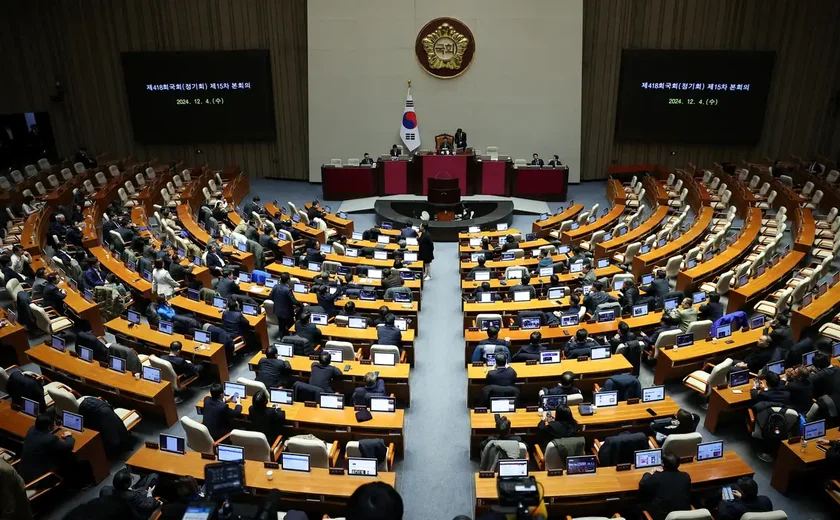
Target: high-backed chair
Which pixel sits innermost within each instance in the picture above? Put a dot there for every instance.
(721, 285)
(682, 444)
(482, 317)
(256, 446)
(702, 382)
(352, 450)
(346, 348)
(694, 514)
(387, 349)
(252, 386)
(68, 400)
(553, 458)
(320, 454)
(198, 436)
(49, 321)
(672, 268)
(168, 373)
(665, 339)
(768, 515)
(700, 329)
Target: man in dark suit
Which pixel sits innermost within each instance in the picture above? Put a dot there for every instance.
(180, 365)
(596, 297)
(502, 375)
(745, 500)
(284, 303)
(814, 166)
(664, 490)
(8, 272)
(94, 277)
(460, 139)
(510, 243)
(26, 385)
(781, 337)
(388, 334)
(322, 373)
(252, 207)
(44, 451)
(141, 503)
(825, 377)
(524, 285)
(214, 258)
(314, 211)
(306, 329)
(178, 271)
(395, 152)
(531, 351)
(217, 414)
(775, 392)
(536, 161)
(658, 288)
(373, 387)
(555, 161)
(408, 231)
(712, 310)
(54, 296)
(274, 372)
(366, 160)
(227, 285)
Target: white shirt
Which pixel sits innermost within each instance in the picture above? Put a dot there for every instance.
(18, 262)
(162, 283)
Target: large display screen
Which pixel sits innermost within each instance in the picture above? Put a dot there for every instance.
(693, 96)
(195, 97)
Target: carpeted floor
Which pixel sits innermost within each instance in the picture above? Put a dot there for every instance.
(436, 477)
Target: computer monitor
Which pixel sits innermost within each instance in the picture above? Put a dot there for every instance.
(131, 266)
(383, 239)
(777, 367)
(29, 407)
(501, 226)
(357, 236)
(244, 278)
(555, 293)
(569, 320)
(709, 450)
(408, 256)
(808, 358)
(490, 359)
(385, 359)
(85, 354)
(361, 467)
(814, 430)
(647, 279)
(318, 319)
(401, 324)
(285, 350)
(357, 322)
(72, 421)
(387, 225)
(543, 216)
(486, 324)
(288, 261)
(508, 256)
(485, 297)
(151, 374)
(549, 357)
(331, 401)
(474, 229)
(530, 323)
(618, 284)
(606, 398)
(383, 404)
(582, 465)
(300, 288)
(521, 296)
(835, 350)
(405, 275)
(551, 402)
(575, 225)
(281, 396)
(708, 256)
(401, 297)
(757, 322)
(645, 249)
(739, 378)
(806, 300)
(116, 364)
(562, 250)
(600, 353)
(640, 310)
(375, 274)
(230, 453)
(516, 274)
(607, 237)
(671, 303)
(685, 340)
(146, 276)
(172, 444)
(698, 297)
(586, 289)
(336, 355)
(380, 255)
(603, 262)
(513, 468)
(314, 267)
(165, 327)
(326, 249)
(647, 459)
(652, 394)
(58, 344)
(743, 280)
(692, 263)
(201, 336)
(270, 283)
(194, 295)
(502, 405)
(482, 276)
(296, 218)
(605, 316)
(546, 271)
(576, 267)
(724, 331)
(250, 309)
(234, 389)
(474, 242)
(219, 303)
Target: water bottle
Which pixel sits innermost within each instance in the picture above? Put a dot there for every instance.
(804, 445)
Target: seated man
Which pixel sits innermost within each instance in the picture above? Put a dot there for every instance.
(825, 377)
(502, 432)
(712, 309)
(758, 357)
(523, 285)
(218, 416)
(686, 314)
(666, 490)
(774, 393)
(502, 375)
(745, 500)
(481, 267)
(323, 373)
(139, 499)
(479, 354)
(566, 386)
(388, 333)
(180, 365)
(274, 372)
(589, 277)
(373, 386)
(580, 345)
(305, 329)
(485, 288)
(532, 350)
(596, 297)
(43, 451)
(667, 323)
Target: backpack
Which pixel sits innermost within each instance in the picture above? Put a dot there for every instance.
(775, 427)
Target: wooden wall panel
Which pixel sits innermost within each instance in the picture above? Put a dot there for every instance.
(80, 41)
(803, 111)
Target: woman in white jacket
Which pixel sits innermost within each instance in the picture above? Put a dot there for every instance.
(162, 282)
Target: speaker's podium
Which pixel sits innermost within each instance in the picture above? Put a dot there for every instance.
(444, 191)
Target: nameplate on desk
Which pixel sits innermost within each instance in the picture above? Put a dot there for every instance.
(16, 407)
(271, 465)
(388, 299)
(471, 300)
(507, 300)
(359, 408)
(633, 400)
(543, 298)
(353, 296)
(473, 329)
(103, 364)
(623, 467)
(794, 440)
(73, 354)
(310, 404)
(336, 471)
(365, 362)
(480, 409)
(313, 357)
(478, 363)
(514, 327)
(686, 460)
(530, 362)
(722, 387)
(486, 474)
(554, 325)
(340, 324)
(583, 358)
(625, 316)
(208, 456)
(555, 472)
(152, 445)
(590, 322)
(532, 408)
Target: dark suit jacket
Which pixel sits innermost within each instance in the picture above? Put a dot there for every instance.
(665, 491)
(53, 297)
(21, 385)
(823, 381)
(235, 323)
(42, 452)
(140, 505)
(780, 395)
(501, 376)
(537, 162)
(284, 301)
(214, 260)
(658, 289)
(269, 422)
(460, 140)
(710, 311)
(274, 373)
(178, 271)
(227, 287)
(309, 331)
(735, 509)
(389, 335)
(180, 365)
(327, 302)
(218, 416)
(782, 337)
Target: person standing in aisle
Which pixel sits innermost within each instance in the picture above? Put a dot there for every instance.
(427, 251)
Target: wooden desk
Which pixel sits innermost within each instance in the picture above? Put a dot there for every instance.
(542, 227)
(75, 302)
(88, 447)
(316, 489)
(156, 342)
(275, 269)
(357, 261)
(390, 246)
(608, 489)
(726, 402)
(335, 425)
(791, 461)
(468, 286)
(608, 421)
(499, 266)
(395, 377)
(342, 226)
(530, 378)
(364, 338)
(645, 263)
(756, 287)
(85, 377)
(584, 232)
(210, 313)
(464, 238)
(616, 244)
(688, 279)
(131, 278)
(804, 317)
(807, 232)
(676, 363)
(511, 309)
(246, 260)
(14, 336)
(466, 251)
